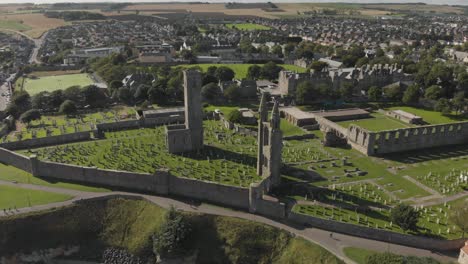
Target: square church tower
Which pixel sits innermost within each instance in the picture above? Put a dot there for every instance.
(188, 137)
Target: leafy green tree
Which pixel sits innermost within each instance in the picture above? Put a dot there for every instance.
(245, 46)
(175, 87)
(30, 115)
(375, 93)
(210, 92)
(94, 96)
(73, 93)
(254, 72)
(346, 91)
(394, 92)
(305, 92)
(277, 50)
(125, 95)
(20, 103)
(68, 107)
(405, 216)
(459, 102)
(171, 238)
(318, 66)
(411, 95)
(232, 92)
(224, 73)
(434, 92)
(157, 95)
(211, 70)
(235, 117)
(115, 84)
(41, 101)
(270, 71)
(289, 48)
(444, 106)
(141, 93)
(56, 99)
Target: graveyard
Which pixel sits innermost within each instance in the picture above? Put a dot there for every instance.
(54, 125)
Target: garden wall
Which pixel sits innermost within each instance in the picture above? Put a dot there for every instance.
(377, 234)
(16, 160)
(47, 141)
(120, 125)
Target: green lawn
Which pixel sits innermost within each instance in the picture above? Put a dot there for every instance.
(358, 255)
(11, 197)
(248, 26)
(431, 117)
(13, 25)
(240, 69)
(9, 173)
(378, 122)
(289, 129)
(52, 83)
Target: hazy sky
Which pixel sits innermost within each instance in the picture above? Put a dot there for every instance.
(450, 2)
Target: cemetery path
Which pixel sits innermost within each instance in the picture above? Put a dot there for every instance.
(334, 243)
(422, 186)
(445, 199)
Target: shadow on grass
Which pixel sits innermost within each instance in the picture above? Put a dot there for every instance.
(429, 154)
(215, 153)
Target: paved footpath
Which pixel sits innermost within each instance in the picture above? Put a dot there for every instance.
(334, 244)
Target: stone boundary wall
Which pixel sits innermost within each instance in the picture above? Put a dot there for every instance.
(399, 140)
(300, 137)
(120, 125)
(252, 199)
(47, 141)
(14, 159)
(377, 234)
(161, 182)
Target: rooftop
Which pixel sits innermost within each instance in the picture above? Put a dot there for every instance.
(342, 112)
(297, 113)
(406, 114)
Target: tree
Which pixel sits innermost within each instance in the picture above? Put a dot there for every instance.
(270, 71)
(20, 103)
(411, 95)
(346, 91)
(405, 216)
(41, 101)
(141, 92)
(458, 216)
(305, 92)
(235, 117)
(56, 99)
(375, 93)
(157, 95)
(30, 115)
(171, 238)
(115, 84)
(73, 93)
(210, 92)
(224, 74)
(459, 102)
(289, 48)
(232, 92)
(93, 96)
(68, 107)
(394, 92)
(443, 106)
(434, 92)
(125, 95)
(253, 72)
(187, 55)
(277, 50)
(318, 66)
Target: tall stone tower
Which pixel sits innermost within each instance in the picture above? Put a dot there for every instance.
(270, 144)
(188, 137)
(193, 107)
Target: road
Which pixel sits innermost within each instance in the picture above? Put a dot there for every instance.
(334, 244)
(37, 44)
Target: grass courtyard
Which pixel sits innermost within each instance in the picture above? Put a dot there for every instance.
(37, 84)
(11, 197)
(431, 117)
(240, 69)
(378, 122)
(247, 26)
(13, 25)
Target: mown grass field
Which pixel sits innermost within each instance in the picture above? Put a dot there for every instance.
(10, 173)
(51, 83)
(33, 24)
(431, 117)
(358, 255)
(378, 122)
(248, 26)
(14, 197)
(240, 69)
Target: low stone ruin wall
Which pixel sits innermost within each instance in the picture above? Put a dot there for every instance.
(14, 159)
(377, 234)
(48, 141)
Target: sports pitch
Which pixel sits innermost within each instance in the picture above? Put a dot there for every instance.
(51, 83)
